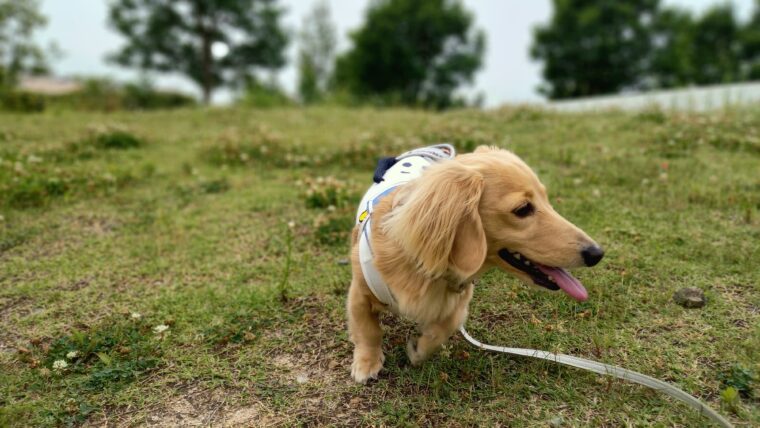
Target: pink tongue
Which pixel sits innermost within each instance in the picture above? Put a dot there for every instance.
(566, 282)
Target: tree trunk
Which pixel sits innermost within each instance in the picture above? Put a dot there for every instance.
(207, 84)
(206, 64)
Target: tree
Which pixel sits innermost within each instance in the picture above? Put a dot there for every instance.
(212, 42)
(19, 19)
(412, 52)
(717, 47)
(594, 47)
(750, 41)
(673, 49)
(316, 54)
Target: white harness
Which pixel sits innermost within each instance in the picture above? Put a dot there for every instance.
(408, 167)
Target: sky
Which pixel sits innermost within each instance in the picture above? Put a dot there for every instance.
(509, 76)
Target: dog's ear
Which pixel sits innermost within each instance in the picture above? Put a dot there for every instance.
(438, 223)
(469, 249)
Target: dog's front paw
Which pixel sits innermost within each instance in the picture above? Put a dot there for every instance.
(366, 367)
(415, 357)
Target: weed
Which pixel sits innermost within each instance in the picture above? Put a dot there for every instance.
(730, 398)
(108, 357)
(326, 192)
(219, 185)
(282, 285)
(101, 137)
(11, 237)
(259, 147)
(333, 228)
(653, 114)
(29, 185)
(741, 379)
(465, 138)
(119, 140)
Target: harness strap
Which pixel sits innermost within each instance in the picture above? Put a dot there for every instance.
(375, 282)
(425, 156)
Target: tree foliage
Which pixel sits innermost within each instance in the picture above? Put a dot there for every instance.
(179, 36)
(316, 54)
(19, 53)
(673, 49)
(750, 42)
(412, 52)
(595, 47)
(717, 48)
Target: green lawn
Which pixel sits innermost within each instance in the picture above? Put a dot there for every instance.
(115, 224)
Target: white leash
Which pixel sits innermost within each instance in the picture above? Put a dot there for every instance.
(609, 370)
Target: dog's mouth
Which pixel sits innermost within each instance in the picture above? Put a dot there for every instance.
(553, 278)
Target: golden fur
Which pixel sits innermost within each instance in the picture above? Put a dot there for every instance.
(433, 236)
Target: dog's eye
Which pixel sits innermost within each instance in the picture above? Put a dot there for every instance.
(524, 210)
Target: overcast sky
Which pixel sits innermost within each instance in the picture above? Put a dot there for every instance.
(79, 28)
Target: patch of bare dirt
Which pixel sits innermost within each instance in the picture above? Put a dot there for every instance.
(193, 408)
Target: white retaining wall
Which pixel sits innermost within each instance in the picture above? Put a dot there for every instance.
(688, 99)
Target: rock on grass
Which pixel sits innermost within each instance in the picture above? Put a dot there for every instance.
(690, 297)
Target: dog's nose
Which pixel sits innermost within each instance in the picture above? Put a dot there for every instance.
(592, 255)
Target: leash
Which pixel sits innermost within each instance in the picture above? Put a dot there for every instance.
(609, 370)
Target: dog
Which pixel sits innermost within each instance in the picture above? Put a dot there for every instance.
(430, 238)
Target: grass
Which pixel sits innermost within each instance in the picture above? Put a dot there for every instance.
(230, 228)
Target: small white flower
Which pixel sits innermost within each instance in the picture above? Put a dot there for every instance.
(160, 328)
(291, 224)
(60, 364)
(72, 354)
(331, 208)
(135, 316)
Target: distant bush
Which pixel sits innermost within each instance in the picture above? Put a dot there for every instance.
(21, 102)
(101, 94)
(142, 96)
(264, 96)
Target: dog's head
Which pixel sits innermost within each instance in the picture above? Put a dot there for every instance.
(488, 208)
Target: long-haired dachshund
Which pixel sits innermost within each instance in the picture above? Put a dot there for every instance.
(431, 236)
